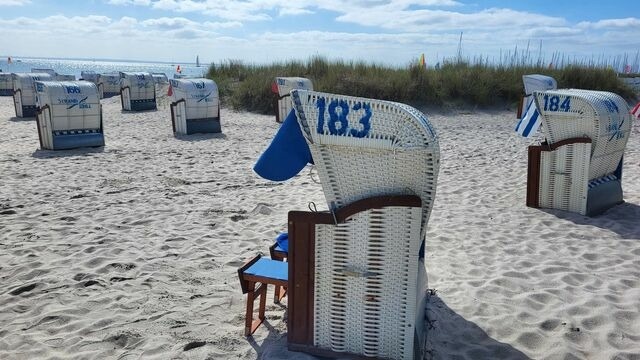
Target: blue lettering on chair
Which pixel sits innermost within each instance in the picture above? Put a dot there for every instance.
(72, 89)
(552, 103)
(204, 98)
(365, 120)
(81, 104)
(616, 130)
(338, 114)
(611, 106)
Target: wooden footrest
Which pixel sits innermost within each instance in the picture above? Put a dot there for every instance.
(259, 270)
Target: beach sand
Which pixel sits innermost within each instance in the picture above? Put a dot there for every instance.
(131, 251)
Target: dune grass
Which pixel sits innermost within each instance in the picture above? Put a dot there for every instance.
(458, 84)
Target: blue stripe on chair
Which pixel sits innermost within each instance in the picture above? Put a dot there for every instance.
(75, 132)
(599, 181)
(273, 269)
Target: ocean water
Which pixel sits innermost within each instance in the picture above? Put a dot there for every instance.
(76, 66)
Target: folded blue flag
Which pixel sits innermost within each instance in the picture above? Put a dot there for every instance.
(287, 154)
(530, 122)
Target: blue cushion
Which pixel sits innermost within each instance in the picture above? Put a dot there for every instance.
(268, 268)
(283, 242)
(287, 154)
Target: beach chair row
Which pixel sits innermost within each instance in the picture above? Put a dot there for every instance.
(69, 113)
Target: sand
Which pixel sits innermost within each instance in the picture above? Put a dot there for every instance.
(131, 251)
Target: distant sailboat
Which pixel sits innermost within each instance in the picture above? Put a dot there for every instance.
(197, 61)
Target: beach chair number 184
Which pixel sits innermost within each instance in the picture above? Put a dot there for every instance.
(552, 103)
(338, 123)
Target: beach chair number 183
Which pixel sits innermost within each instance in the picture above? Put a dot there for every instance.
(338, 123)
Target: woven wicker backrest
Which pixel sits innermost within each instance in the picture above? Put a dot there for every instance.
(601, 116)
(364, 147)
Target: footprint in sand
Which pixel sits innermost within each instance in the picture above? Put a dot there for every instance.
(23, 289)
(194, 344)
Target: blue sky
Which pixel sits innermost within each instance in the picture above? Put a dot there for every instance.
(383, 31)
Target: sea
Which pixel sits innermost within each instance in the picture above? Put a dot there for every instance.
(76, 66)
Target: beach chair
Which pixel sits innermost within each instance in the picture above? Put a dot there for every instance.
(160, 78)
(578, 167)
(195, 106)
(6, 84)
(534, 82)
(137, 91)
(260, 271)
(357, 279)
(69, 115)
(282, 87)
(89, 75)
(24, 92)
(108, 85)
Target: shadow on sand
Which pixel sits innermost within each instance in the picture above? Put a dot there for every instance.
(53, 154)
(137, 111)
(449, 336)
(622, 219)
(201, 137)
(22, 119)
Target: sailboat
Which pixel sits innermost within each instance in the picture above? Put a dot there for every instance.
(197, 61)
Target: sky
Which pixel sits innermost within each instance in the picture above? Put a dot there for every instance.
(393, 32)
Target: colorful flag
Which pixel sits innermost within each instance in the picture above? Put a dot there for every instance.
(423, 63)
(636, 111)
(530, 122)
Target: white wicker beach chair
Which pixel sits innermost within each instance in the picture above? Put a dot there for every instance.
(534, 82)
(6, 84)
(24, 92)
(137, 91)
(69, 115)
(282, 87)
(195, 106)
(357, 280)
(579, 167)
(108, 85)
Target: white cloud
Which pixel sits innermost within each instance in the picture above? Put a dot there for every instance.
(14, 2)
(441, 20)
(182, 23)
(294, 11)
(163, 28)
(548, 32)
(626, 23)
(130, 2)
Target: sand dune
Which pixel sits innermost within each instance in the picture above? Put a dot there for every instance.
(131, 251)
